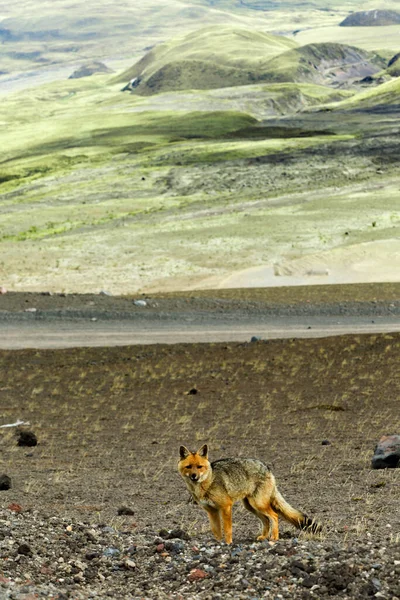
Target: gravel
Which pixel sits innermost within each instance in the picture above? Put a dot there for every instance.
(51, 557)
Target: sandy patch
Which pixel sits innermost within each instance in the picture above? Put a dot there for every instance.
(359, 263)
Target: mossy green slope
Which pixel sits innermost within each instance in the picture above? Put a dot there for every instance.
(195, 74)
(322, 63)
(223, 46)
(212, 59)
(386, 94)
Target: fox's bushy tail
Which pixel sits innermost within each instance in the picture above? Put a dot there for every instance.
(294, 516)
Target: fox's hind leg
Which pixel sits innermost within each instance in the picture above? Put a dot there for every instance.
(215, 521)
(266, 524)
(263, 506)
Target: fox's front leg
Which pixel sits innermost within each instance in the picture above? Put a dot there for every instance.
(215, 521)
(226, 513)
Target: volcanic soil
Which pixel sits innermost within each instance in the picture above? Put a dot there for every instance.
(109, 422)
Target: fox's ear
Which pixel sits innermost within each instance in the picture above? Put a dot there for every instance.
(203, 451)
(183, 452)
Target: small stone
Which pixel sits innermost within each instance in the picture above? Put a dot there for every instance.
(163, 533)
(255, 338)
(141, 303)
(178, 534)
(129, 564)
(91, 555)
(111, 552)
(326, 443)
(24, 549)
(125, 510)
(14, 507)
(27, 438)
(5, 482)
(192, 392)
(197, 575)
(376, 583)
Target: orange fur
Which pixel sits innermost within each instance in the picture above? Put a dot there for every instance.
(217, 486)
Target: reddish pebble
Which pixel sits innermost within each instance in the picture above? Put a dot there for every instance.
(197, 575)
(160, 548)
(15, 507)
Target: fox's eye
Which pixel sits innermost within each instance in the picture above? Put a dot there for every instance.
(188, 467)
(199, 467)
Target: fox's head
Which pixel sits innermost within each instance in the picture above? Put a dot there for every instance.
(194, 465)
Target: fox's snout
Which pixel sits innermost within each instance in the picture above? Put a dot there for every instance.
(193, 477)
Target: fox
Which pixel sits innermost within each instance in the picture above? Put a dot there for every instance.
(217, 485)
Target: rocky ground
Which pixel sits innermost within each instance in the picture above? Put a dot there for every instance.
(56, 557)
(109, 422)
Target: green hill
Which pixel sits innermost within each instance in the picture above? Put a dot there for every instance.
(195, 74)
(385, 94)
(325, 63)
(214, 58)
(208, 58)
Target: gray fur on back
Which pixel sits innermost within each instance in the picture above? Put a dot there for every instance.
(235, 474)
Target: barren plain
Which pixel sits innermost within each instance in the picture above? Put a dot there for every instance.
(109, 422)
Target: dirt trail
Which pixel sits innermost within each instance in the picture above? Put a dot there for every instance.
(70, 334)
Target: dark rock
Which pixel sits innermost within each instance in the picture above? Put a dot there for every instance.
(5, 482)
(125, 510)
(24, 549)
(91, 555)
(178, 534)
(326, 443)
(89, 69)
(394, 59)
(163, 533)
(308, 582)
(193, 392)
(387, 453)
(255, 338)
(26, 438)
(279, 550)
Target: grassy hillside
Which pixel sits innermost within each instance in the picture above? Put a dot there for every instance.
(194, 74)
(223, 46)
(101, 189)
(260, 101)
(213, 58)
(323, 63)
(385, 94)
